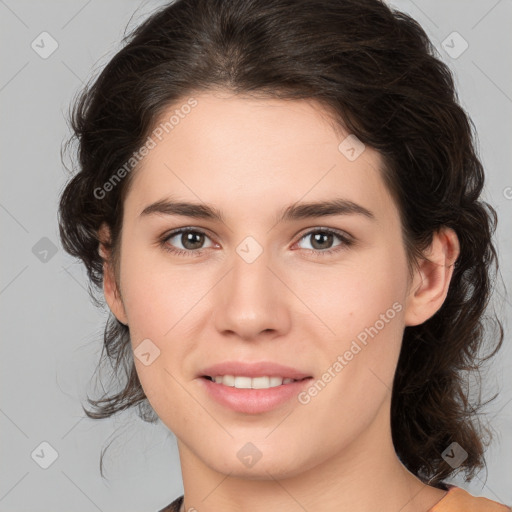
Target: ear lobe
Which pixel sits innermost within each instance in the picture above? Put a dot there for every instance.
(110, 290)
(432, 277)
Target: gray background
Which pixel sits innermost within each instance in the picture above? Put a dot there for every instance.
(51, 332)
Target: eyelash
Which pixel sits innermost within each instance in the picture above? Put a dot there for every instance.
(346, 242)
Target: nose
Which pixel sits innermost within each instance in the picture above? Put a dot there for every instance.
(252, 299)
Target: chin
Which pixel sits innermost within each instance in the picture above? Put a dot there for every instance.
(277, 465)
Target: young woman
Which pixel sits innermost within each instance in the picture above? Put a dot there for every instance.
(281, 202)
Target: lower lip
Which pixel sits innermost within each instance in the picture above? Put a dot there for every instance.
(253, 401)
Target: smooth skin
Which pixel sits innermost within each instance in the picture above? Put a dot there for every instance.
(295, 304)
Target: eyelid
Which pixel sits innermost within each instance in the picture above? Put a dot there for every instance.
(326, 229)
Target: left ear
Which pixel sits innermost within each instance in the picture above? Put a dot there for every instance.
(432, 277)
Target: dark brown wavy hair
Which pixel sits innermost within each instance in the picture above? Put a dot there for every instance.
(376, 71)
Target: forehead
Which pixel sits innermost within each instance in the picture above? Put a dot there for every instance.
(251, 154)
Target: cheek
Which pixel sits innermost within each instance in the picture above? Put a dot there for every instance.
(156, 294)
(361, 306)
(351, 296)
(165, 305)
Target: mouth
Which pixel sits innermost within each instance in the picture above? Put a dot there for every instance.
(253, 395)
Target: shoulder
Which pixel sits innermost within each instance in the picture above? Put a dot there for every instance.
(459, 500)
(175, 505)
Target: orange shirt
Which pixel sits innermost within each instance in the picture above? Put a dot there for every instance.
(455, 500)
(459, 500)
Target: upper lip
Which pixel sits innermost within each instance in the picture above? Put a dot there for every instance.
(259, 369)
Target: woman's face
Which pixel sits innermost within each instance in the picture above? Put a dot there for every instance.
(261, 287)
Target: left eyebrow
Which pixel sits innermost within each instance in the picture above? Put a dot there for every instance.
(292, 212)
(184, 209)
(332, 207)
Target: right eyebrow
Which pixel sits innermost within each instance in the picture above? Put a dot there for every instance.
(185, 209)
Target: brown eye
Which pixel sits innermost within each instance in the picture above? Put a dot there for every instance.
(321, 241)
(190, 240)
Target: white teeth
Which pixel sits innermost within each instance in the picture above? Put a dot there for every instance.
(242, 382)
